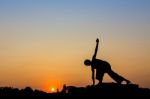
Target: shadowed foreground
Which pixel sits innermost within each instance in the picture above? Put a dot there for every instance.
(105, 90)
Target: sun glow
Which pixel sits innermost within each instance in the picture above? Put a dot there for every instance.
(53, 89)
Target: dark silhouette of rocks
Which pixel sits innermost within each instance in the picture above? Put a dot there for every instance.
(109, 90)
(105, 90)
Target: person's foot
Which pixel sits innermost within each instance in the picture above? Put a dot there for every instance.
(128, 82)
(99, 84)
(119, 82)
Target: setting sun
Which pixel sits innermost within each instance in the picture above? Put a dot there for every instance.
(53, 89)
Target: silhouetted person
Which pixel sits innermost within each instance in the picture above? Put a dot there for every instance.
(102, 67)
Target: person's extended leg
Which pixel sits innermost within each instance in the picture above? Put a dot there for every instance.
(117, 77)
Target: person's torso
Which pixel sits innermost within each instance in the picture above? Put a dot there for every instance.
(101, 65)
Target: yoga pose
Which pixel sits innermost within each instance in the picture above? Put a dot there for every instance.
(101, 68)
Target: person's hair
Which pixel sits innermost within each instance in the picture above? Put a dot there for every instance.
(87, 62)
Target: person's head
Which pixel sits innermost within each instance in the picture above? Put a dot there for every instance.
(87, 62)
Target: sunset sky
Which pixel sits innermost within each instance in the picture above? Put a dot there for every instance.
(43, 43)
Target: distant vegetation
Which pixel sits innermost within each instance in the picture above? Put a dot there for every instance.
(106, 90)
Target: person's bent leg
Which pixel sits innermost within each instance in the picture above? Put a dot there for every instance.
(99, 77)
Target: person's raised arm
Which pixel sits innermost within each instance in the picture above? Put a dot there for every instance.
(96, 49)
